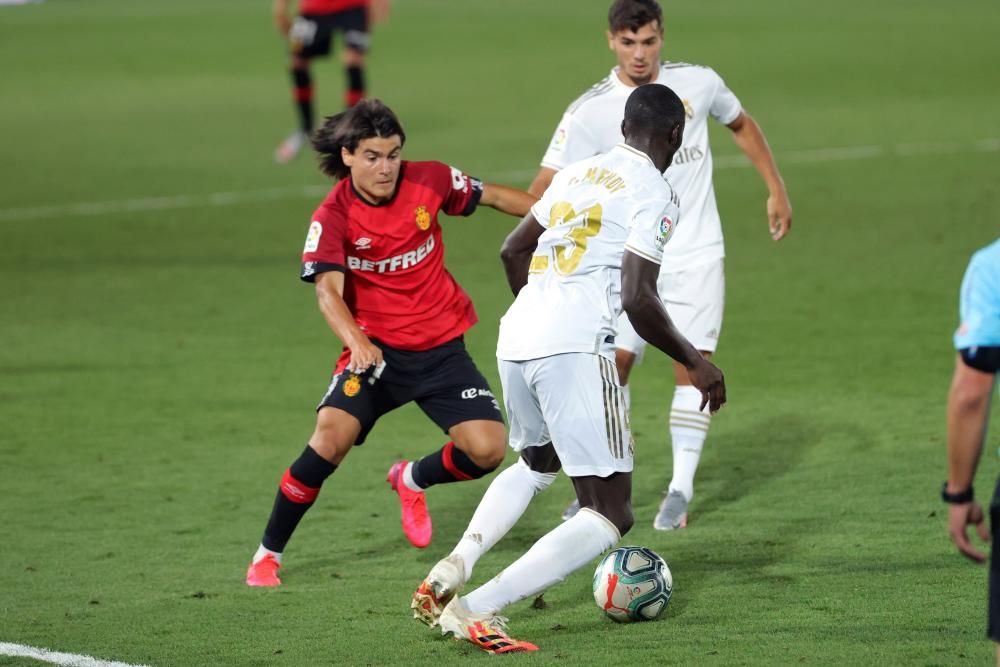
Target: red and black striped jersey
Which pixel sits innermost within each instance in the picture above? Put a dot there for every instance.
(396, 284)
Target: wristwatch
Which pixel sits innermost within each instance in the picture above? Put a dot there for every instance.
(956, 498)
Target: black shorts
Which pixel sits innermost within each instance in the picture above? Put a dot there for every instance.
(312, 34)
(993, 617)
(443, 381)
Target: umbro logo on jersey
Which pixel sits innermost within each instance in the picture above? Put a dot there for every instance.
(363, 243)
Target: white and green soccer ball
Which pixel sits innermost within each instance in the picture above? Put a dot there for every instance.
(632, 584)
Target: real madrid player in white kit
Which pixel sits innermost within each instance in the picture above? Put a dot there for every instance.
(691, 282)
(588, 249)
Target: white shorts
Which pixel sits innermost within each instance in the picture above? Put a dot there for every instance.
(574, 401)
(694, 299)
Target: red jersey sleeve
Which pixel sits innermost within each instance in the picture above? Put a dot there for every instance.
(324, 249)
(461, 192)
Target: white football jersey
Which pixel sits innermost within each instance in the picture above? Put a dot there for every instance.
(592, 125)
(593, 210)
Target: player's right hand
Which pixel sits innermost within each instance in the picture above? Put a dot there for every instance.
(707, 377)
(364, 355)
(960, 517)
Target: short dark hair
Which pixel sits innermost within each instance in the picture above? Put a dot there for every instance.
(653, 107)
(368, 118)
(633, 14)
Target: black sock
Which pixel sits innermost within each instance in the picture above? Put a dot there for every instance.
(448, 464)
(355, 86)
(304, 98)
(296, 494)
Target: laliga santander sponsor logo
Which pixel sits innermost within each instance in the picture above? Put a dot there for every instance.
(400, 262)
(558, 139)
(664, 230)
(312, 238)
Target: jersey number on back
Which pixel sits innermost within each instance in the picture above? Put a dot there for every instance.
(567, 259)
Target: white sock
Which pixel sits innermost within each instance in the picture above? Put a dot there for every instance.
(559, 553)
(502, 505)
(407, 478)
(261, 552)
(688, 430)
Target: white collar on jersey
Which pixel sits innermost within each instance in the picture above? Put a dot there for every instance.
(635, 153)
(624, 86)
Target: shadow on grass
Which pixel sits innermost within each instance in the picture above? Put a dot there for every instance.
(752, 459)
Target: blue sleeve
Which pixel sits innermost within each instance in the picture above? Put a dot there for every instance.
(979, 301)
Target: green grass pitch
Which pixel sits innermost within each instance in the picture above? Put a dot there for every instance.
(159, 361)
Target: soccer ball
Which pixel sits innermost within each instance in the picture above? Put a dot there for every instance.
(632, 584)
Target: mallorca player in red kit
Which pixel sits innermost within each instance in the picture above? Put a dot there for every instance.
(374, 252)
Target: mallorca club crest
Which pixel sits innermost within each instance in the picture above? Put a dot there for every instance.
(423, 218)
(352, 386)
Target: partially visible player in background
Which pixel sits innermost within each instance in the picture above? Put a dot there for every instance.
(976, 366)
(590, 248)
(374, 251)
(310, 35)
(691, 283)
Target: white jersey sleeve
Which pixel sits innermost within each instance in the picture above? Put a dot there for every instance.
(573, 141)
(725, 106)
(653, 224)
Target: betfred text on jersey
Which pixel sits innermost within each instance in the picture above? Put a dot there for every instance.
(391, 264)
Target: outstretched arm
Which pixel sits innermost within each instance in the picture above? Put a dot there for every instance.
(645, 311)
(749, 137)
(507, 200)
(517, 249)
(542, 181)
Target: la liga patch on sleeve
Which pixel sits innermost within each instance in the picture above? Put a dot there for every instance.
(312, 238)
(664, 231)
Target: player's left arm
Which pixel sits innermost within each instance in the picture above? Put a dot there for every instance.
(517, 249)
(507, 200)
(750, 138)
(644, 307)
